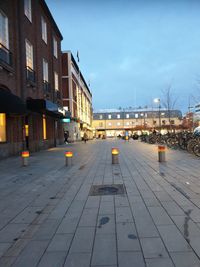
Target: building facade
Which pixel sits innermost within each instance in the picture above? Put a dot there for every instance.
(77, 99)
(30, 77)
(117, 122)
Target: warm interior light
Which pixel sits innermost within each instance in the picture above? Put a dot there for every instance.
(44, 127)
(2, 127)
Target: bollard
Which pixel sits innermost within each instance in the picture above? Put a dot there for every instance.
(126, 138)
(68, 158)
(161, 153)
(115, 153)
(25, 156)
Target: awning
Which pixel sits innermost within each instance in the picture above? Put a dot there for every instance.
(46, 107)
(11, 104)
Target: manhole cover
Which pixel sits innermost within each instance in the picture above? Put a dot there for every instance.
(113, 189)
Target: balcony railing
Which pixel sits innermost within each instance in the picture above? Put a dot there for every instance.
(30, 74)
(5, 55)
(46, 87)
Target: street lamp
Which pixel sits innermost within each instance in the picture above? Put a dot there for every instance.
(157, 100)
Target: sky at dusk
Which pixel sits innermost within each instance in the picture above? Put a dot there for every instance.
(132, 50)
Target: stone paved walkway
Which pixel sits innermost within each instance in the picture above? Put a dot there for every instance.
(48, 218)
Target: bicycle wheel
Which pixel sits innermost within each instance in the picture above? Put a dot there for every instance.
(190, 146)
(196, 150)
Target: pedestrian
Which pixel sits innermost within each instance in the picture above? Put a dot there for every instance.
(66, 136)
(85, 137)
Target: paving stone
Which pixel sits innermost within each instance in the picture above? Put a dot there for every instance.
(123, 214)
(12, 232)
(104, 252)
(121, 201)
(153, 248)
(89, 217)
(173, 239)
(60, 242)
(92, 202)
(106, 207)
(127, 239)
(69, 224)
(31, 255)
(78, 259)
(52, 259)
(4, 247)
(185, 259)
(172, 208)
(159, 216)
(46, 230)
(157, 262)
(106, 224)
(83, 236)
(127, 259)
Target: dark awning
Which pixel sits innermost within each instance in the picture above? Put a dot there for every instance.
(10, 103)
(46, 107)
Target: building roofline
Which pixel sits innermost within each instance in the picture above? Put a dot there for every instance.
(78, 69)
(51, 17)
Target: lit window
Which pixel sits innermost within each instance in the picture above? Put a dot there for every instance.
(44, 30)
(44, 127)
(29, 55)
(100, 117)
(118, 123)
(55, 47)
(136, 116)
(141, 114)
(27, 9)
(56, 80)
(127, 116)
(109, 116)
(118, 116)
(45, 71)
(162, 114)
(127, 123)
(3, 30)
(109, 124)
(2, 127)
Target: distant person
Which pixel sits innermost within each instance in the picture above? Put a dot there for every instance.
(85, 137)
(66, 136)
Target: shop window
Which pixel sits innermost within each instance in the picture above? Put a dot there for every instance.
(2, 127)
(44, 127)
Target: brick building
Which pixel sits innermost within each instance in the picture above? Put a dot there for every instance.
(30, 77)
(77, 98)
(117, 122)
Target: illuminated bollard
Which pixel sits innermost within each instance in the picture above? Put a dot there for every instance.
(161, 153)
(25, 157)
(115, 153)
(68, 158)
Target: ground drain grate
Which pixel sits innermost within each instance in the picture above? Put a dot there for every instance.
(111, 189)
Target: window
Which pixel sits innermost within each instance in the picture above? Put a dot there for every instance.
(27, 9)
(29, 55)
(118, 123)
(55, 47)
(100, 117)
(163, 122)
(136, 116)
(45, 71)
(141, 114)
(56, 81)
(109, 116)
(109, 124)
(44, 124)
(127, 123)
(44, 30)
(127, 116)
(172, 122)
(4, 30)
(2, 127)
(101, 124)
(118, 116)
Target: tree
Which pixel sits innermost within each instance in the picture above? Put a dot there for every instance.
(169, 100)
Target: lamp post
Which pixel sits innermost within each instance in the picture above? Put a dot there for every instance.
(157, 100)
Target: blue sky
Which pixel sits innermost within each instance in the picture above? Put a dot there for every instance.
(132, 50)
